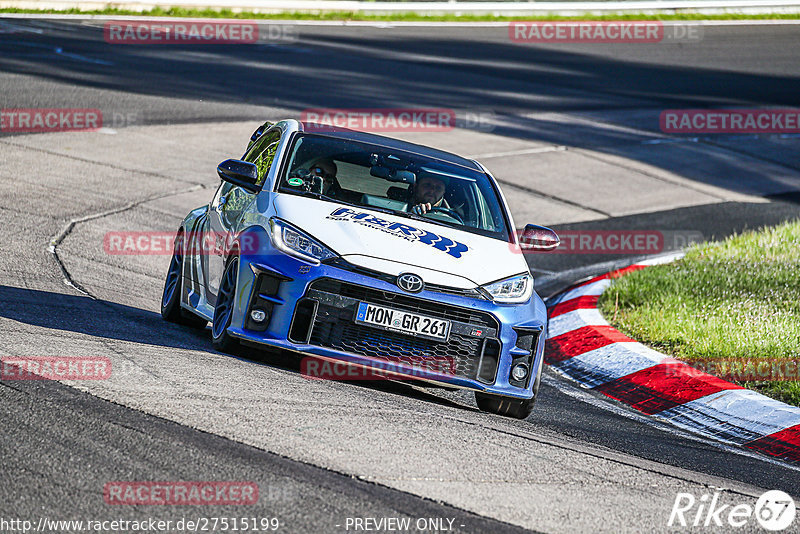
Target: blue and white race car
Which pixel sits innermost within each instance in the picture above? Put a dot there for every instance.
(353, 247)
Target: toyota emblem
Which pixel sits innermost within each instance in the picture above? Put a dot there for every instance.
(410, 282)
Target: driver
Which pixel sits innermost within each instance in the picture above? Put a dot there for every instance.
(428, 194)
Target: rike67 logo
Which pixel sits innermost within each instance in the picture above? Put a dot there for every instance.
(774, 510)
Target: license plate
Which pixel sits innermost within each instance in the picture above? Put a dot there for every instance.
(401, 321)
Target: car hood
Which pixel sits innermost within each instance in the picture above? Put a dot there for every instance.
(390, 244)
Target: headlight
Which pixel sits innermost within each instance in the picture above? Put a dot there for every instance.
(293, 242)
(512, 290)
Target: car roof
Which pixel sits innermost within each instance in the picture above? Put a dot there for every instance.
(389, 142)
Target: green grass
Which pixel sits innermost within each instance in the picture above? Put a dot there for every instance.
(353, 15)
(738, 299)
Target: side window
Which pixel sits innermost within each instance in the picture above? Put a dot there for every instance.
(222, 191)
(263, 153)
(236, 201)
(484, 213)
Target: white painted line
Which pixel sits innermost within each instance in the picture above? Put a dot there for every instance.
(300, 22)
(416, 6)
(521, 152)
(662, 260)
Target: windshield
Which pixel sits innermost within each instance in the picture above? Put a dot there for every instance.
(398, 182)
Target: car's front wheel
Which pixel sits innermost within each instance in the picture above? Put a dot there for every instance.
(223, 311)
(171, 298)
(508, 406)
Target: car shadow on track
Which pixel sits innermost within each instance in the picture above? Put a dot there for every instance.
(97, 318)
(111, 320)
(291, 361)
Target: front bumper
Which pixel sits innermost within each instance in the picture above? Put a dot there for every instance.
(311, 310)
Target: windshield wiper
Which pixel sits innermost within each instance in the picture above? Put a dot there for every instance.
(410, 215)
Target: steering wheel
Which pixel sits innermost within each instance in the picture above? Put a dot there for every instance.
(448, 212)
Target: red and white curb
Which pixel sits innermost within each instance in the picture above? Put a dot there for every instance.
(582, 345)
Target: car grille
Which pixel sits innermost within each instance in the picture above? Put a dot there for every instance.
(463, 355)
(404, 302)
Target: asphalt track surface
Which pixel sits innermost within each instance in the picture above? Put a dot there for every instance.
(573, 136)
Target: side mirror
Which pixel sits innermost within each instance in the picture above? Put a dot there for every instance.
(536, 237)
(240, 173)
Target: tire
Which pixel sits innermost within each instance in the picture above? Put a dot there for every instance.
(223, 311)
(509, 406)
(171, 297)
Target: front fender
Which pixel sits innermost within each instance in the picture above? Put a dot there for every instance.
(190, 221)
(251, 245)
